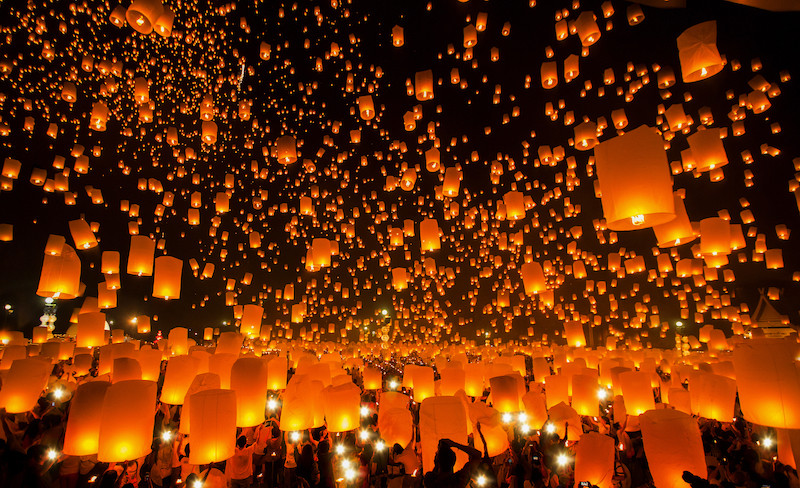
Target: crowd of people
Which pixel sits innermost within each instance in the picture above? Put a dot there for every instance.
(738, 454)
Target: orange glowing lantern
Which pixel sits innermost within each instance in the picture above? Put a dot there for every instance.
(635, 195)
(167, 277)
(82, 436)
(697, 49)
(126, 421)
(441, 418)
(61, 275)
(23, 383)
(91, 329)
(180, 373)
(213, 433)
(342, 405)
(594, 460)
(664, 429)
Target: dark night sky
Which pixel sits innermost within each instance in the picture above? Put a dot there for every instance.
(290, 96)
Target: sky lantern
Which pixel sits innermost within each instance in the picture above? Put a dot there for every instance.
(768, 383)
(82, 435)
(61, 274)
(179, 375)
(549, 74)
(342, 406)
(82, 234)
(585, 136)
(452, 379)
(126, 421)
(91, 329)
(515, 205)
(251, 320)
(249, 381)
(664, 429)
(286, 149)
(178, 341)
(373, 378)
(715, 236)
(707, 149)
(163, 26)
(99, 116)
(712, 396)
(533, 278)
(505, 394)
(594, 459)
(677, 231)
(366, 107)
(441, 418)
(396, 426)
(23, 383)
(422, 376)
(423, 85)
(573, 331)
(201, 382)
(429, 235)
(636, 391)
(143, 14)
(140, 255)
(276, 373)
(584, 394)
(634, 178)
(167, 277)
(398, 39)
(697, 49)
(213, 432)
(150, 361)
(209, 132)
(587, 29)
(470, 36)
(399, 279)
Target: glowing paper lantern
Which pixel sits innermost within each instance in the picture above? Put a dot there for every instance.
(697, 49)
(179, 375)
(635, 181)
(533, 278)
(584, 395)
(286, 148)
(124, 369)
(573, 331)
(396, 426)
(342, 405)
(636, 391)
(423, 85)
(441, 418)
(587, 29)
(249, 381)
(707, 149)
(373, 378)
(91, 329)
(505, 394)
(23, 383)
(594, 460)
(143, 14)
(535, 408)
(429, 235)
(276, 373)
(251, 320)
(712, 396)
(61, 275)
(677, 231)
(366, 107)
(422, 376)
(473, 379)
(82, 234)
(167, 277)
(768, 382)
(452, 380)
(715, 236)
(126, 421)
(82, 436)
(201, 382)
(213, 436)
(140, 256)
(664, 429)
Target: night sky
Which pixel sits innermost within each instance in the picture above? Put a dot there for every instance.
(489, 125)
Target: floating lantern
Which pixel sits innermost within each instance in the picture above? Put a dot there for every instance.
(126, 421)
(213, 433)
(664, 429)
(697, 49)
(82, 436)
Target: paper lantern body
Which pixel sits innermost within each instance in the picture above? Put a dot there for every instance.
(635, 180)
(712, 396)
(61, 275)
(126, 421)
(286, 148)
(23, 383)
(82, 234)
(302, 405)
(150, 362)
(452, 380)
(221, 365)
(594, 460)
(396, 426)
(768, 382)
(249, 381)
(213, 436)
(505, 394)
(637, 392)
(423, 383)
(441, 417)
(201, 382)
(91, 329)
(707, 149)
(276, 373)
(178, 340)
(82, 435)
(143, 14)
(342, 406)
(697, 49)
(535, 408)
(473, 379)
(230, 343)
(584, 395)
(677, 231)
(533, 278)
(141, 255)
(179, 375)
(556, 389)
(167, 277)
(125, 368)
(491, 428)
(251, 320)
(373, 378)
(662, 431)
